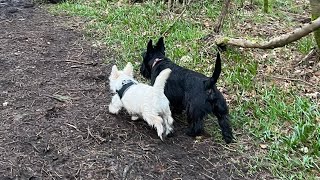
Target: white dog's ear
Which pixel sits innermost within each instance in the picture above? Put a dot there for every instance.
(128, 70)
(114, 72)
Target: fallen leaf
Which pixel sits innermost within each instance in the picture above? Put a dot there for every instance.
(61, 98)
(263, 146)
(207, 23)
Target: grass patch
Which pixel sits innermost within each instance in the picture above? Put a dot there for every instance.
(286, 122)
(305, 44)
(127, 28)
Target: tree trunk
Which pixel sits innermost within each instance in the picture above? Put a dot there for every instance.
(275, 42)
(315, 13)
(224, 12)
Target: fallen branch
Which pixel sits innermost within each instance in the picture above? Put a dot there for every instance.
(279, 41)
(291, 79)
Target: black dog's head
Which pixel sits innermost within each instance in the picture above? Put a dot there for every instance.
(152, 53)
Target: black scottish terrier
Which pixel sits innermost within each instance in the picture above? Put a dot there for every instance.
(189, 90)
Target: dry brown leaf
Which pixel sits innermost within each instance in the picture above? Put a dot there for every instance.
(207, 24)
(263, 146)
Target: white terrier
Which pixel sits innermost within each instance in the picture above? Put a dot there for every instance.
(148, 102)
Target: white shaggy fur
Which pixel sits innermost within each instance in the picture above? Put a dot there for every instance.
(141, 100)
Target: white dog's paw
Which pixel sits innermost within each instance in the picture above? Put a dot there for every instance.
(134, 118)
(160, 136)
(113, 109)
(169, 130)
(160, 130)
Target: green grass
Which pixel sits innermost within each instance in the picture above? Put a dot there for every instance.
(305, 44)
(281, 118)
(129, 27)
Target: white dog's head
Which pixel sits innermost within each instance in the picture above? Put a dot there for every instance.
(117, 77)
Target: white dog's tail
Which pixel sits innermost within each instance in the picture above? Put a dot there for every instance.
(162, 79)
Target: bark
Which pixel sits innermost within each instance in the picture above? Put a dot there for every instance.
(279, 41)
(222, 16)
(315, 13)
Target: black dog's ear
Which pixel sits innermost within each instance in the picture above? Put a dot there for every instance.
(160, 45)
(149, 46)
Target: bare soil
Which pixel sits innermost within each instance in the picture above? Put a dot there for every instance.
(54, 122)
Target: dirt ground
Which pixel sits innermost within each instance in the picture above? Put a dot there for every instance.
(54, 122)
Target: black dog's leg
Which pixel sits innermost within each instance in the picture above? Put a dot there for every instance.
(225, 126)
(221, 112)
(195, 120)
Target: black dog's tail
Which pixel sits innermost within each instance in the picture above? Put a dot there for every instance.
(216, 73)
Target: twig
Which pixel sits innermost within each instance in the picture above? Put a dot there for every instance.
(174, 22)
(227, 148)
(78, 172)
(60, 176)
(78, 62)
(126, 170)
(73, 126)
(311, 53)
(291, 79)
(98, 139)
(208, 176)
(57, 97)
(10, 143)
(85, 89)
(90, 134)
(47, 95)
(45, 172)
(34, 147)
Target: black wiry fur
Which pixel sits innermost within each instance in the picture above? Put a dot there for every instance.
(189, 90)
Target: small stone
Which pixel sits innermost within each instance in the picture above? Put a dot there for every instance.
(12, 10)
(304, 150)
(5, 104)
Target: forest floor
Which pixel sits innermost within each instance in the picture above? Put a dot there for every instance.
(54, 122)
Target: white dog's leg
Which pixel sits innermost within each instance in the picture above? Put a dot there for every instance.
(134, 118)
(155, 121)
(168, 124)
(168, 121)
(115, 104)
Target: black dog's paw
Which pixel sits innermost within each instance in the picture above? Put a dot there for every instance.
(228, 139)
(171, 134)
(191, 132)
